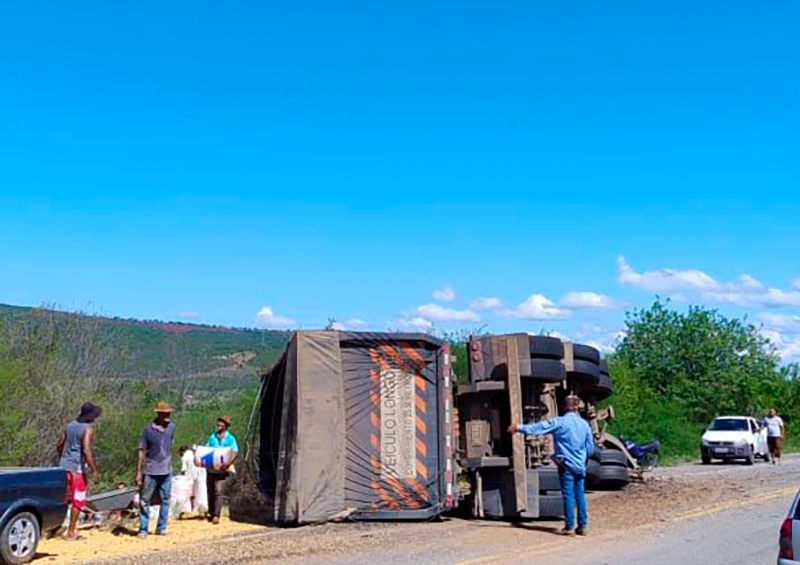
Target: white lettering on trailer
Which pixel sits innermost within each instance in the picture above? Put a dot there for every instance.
(398, 425)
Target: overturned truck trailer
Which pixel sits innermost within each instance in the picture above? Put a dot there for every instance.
(360, 425)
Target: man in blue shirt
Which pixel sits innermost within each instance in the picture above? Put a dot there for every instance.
(216, 479)
(154, 468)
(574, 444)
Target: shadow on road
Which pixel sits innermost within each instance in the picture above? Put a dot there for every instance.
(553, 529)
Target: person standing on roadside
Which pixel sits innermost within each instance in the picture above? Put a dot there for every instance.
(74, 447)
(216, 478)
(775, 434)
(574, 445)
(154, 469)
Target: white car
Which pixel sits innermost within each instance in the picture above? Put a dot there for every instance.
(734, 437)
(788, 552)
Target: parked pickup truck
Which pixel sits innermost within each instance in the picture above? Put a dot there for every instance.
(734, 437)
(32, 502)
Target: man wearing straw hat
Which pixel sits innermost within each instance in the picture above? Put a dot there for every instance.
(154, 468)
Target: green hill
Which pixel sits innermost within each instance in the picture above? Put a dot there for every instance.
(166, 350)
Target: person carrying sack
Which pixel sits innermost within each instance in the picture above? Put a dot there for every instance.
(216, 478)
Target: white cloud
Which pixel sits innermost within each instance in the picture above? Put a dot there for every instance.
(760, 297)
(780, 322)
(267, 319)
(603, 347)
(353, 324)
(436, 313)
(490, 303)
(416, 323)
(537, 307)
(745, 292)
(664, 280)
(188, 315)
(559, 335)
(444, 294)
(588, 301)
(787, 346)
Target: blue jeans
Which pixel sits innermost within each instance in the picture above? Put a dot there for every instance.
(153, 484)
(572, 489)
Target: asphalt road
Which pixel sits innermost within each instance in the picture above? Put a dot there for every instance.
(743, 536)
(736, 532)
(690, 514)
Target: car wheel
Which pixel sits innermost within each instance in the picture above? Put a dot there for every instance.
(751, 458)
(19, 539)
(706, 460)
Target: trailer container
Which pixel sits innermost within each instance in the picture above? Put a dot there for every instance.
(360, 425)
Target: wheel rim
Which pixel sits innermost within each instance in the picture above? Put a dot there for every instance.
(22, 538)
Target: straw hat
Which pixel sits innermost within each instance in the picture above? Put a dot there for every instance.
(163, 408)
(225, 420)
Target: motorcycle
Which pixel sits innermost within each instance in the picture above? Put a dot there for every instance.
(646, 454)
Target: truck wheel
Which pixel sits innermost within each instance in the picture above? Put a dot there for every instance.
(585, 352)
(547, 371)
(548, 479)
(613, 477)
(546, 347)
(613, 457)
(19, 539)
(551, 506)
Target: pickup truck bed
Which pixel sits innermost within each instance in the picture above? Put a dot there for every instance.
(29, 495)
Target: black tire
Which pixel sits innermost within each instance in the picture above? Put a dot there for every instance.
(585, 372)
(613, 477)
(547, 371)
(603, 366)
(603, 389)
(546, 347)
(706, 460)
(593, 474)
(751, 457)
(613, 457)
(26, 526)
(551, 506)
(586, 353)
(548, 479)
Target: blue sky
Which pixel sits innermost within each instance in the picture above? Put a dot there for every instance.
(210, 162)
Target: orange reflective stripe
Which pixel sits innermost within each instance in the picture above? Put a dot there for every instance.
(422, 470)
(408, 500)
(420, 402)
(422, 449)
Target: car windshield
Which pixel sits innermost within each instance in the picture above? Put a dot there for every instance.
(728, 425)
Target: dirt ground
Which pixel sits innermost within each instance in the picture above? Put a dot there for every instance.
(668, 496)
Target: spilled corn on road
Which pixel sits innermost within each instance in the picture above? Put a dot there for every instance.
(676, 516)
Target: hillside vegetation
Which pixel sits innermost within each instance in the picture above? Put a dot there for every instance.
(51, 362)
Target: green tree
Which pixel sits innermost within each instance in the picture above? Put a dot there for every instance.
(702, 360)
